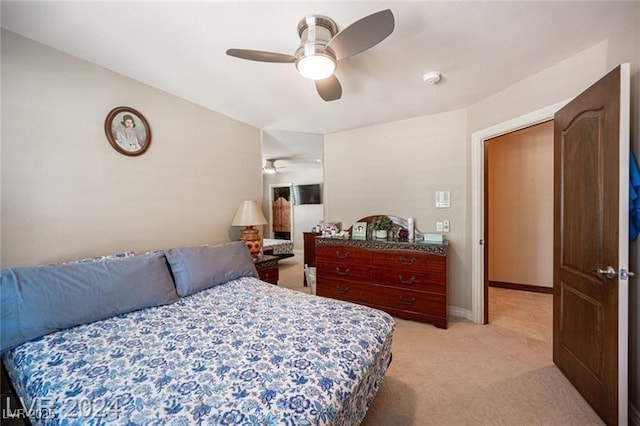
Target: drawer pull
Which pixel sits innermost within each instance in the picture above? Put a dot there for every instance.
(408, 302)
(343, 273)
(344, 256)
(343, 290)
(406, 262)
(409, 281)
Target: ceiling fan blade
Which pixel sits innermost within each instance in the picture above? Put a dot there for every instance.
(259, 55)
(329, 89)
(363, 34)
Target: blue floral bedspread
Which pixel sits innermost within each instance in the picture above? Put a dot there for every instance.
(245, 353)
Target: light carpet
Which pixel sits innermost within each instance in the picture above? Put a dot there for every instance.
(496, 374)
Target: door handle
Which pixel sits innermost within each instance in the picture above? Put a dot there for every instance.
(625, 275)
(606, 273)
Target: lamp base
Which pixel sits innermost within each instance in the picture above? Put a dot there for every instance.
(251, 236)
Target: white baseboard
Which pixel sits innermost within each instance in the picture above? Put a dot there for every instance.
(454, 311)
(634, 415)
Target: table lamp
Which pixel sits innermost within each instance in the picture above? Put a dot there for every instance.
(250, 215)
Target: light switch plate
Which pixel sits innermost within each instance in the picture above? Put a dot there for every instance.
(445, 226)
(439, 226)
(443, 199)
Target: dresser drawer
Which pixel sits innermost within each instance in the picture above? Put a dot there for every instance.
(350, 291)
(410, 260)
(411, 280)
(343, 255)
(427, 303)
(269, 275)
(331, 270)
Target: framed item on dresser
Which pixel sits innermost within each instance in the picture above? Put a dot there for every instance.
(359, 231)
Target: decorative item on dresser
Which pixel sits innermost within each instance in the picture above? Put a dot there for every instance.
(267, 267)
(309, 250)
(381, 225)
(406, 279)
(249, 215)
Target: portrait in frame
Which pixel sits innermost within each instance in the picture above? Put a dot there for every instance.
(127, 131)
(359, 231)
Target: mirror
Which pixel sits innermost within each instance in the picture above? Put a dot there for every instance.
(292, 164)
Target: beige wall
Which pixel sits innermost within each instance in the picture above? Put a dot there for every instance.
(395, 168)
(520, 193)
(66, 193)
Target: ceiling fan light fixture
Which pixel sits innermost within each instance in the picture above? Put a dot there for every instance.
(268, 167)
(316, 66)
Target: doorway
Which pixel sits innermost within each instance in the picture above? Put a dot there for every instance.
(478, 270)
(281, 214)
(518, 205)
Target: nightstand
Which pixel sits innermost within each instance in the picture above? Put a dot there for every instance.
(267, 267)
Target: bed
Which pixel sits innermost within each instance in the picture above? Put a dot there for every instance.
(281, 248)
(241, 352)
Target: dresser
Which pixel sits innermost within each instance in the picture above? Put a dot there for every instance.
(267, 267)
(405, 279)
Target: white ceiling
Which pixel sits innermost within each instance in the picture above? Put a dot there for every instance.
(179, 47)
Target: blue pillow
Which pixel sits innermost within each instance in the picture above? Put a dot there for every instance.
(35, 301)
(198, 268)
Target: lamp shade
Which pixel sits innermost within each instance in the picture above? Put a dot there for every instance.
(248, 214)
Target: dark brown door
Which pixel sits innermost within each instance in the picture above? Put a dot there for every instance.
(588, 233)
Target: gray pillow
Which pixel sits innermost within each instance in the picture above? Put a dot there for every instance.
(35, 301)
(198, 268)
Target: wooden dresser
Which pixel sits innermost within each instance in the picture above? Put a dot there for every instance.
(267, 267)
(408, 280)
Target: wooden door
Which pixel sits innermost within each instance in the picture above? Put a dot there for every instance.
(282, 215)
(590, 318)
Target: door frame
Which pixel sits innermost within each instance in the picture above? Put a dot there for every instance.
(478, 199)
(271, 200)
(623, 245)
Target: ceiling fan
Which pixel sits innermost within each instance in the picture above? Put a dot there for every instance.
(269, 166)
(322, 47)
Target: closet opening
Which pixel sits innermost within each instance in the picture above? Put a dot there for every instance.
(518, 224)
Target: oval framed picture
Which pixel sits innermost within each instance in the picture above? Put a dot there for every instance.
(127, 131)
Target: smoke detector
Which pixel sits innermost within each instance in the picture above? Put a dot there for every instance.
(432, 77)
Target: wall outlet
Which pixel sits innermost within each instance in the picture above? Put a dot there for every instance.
(439, 226)
(445, 226)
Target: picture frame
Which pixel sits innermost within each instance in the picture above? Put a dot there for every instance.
(359, 231)
(127, 131)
